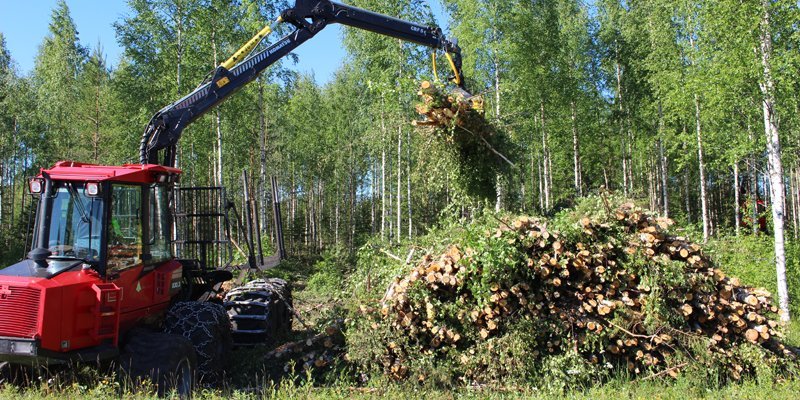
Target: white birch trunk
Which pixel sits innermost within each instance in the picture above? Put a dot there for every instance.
(736, 200)
(652, 185)
(178, 88)
(774, 159)
(306, 232)
(500, 191)
(629, 153)
(217, 120)
(14, 166)
(701, 169)
(549, 176)
(576, 157)
(545, 159)
(408, 183)
(383, 184)
(320, 213)
(262, 171)
(541, 185)
(400, 152)
(389, 194)
(373, 196)
(753, 180)
(533, 177)
(498, 203)
(687, 195)
(292, 208)
(618, 73)
(399, 183)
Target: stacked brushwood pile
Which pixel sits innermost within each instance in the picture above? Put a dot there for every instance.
(615, 292)
(479, 151)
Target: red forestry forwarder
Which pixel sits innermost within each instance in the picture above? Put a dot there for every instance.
(102, 282)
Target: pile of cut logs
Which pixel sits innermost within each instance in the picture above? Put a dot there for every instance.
(623, 281)
(441, 108)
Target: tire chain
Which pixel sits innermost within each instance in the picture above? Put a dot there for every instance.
(260, 311)
(207, 326)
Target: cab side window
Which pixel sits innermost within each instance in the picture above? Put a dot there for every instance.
(125, 228)
(159, 225)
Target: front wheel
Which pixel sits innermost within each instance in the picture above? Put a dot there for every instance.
(6, 375)
(166, 360)
(207, 327)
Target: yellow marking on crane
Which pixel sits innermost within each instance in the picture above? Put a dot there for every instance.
(240, 54)
(222, 82)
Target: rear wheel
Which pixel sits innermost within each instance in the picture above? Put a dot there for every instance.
(166, 360)
(207, 327)
(260, 311)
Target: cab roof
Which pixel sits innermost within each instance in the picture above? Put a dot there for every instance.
(130, 173)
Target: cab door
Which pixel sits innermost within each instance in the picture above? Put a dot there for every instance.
(126, 251)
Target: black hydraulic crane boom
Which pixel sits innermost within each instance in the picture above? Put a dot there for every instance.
(308, 17)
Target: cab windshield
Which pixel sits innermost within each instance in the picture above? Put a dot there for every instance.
(76, 223)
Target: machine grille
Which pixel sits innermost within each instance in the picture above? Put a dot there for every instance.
(19, 311)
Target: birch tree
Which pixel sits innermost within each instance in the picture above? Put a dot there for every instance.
(776, 175)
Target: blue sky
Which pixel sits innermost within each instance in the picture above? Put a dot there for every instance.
(25, 24)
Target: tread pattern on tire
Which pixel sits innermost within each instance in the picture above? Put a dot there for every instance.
(155, 356)
(207, 327)
(260, 311)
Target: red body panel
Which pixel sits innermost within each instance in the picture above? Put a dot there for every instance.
(128, 173)
(68, 309)
(142, 295)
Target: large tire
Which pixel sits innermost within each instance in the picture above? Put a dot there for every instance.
(260, 311)
(5, 374)
(207, 327)
(167, 360)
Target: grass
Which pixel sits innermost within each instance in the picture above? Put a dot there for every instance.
(615, 390)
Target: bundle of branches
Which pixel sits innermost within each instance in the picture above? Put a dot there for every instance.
(479, 150)
(614, 292)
